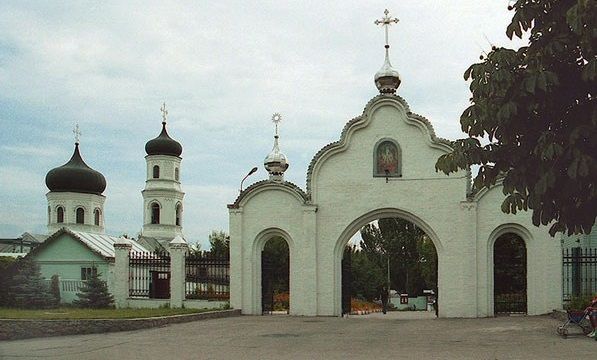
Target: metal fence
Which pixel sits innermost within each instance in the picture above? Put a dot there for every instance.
(149, 275)
(207, 276)
(579, 272)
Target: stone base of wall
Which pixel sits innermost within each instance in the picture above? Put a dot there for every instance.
(11, 329)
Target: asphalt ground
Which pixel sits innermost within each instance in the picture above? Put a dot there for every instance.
(376, 336)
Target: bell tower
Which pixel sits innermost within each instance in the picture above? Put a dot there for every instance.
(162, 196)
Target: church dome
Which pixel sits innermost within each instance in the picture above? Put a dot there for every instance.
(387, 78)
(76, 176)
(163, 144)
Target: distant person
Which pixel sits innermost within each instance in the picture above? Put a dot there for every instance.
(384, 298)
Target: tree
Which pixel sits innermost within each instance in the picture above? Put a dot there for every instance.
(219, 243)
(413, 260)
(276, 250)
(536, 107)
(94, 293)
(29, 289)
(366, 275)
(7, 271)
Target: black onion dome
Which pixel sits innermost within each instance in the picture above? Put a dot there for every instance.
(76, 176)
(163, 145)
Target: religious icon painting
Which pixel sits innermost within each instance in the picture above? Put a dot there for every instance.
(387, 159)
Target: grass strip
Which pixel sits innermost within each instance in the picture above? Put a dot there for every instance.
(78, 313)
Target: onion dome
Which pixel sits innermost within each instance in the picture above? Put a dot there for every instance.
(275, 162)
(387, 78)
(163, 144)
(76, 176)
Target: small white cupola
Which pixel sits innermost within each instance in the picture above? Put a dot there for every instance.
(276, 163)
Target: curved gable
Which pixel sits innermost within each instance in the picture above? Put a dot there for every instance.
(364, 121)
(264, 185)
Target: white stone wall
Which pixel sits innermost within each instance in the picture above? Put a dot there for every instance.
(70, 201)
(345, 196)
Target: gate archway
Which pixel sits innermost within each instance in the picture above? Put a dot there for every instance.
(363, 220)
(509, 274)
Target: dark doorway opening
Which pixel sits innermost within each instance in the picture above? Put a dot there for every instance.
(275, 277)
(509, 275)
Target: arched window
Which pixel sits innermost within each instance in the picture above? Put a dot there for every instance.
(176, 175)
(155, 213)
(156, 172)
(96, 217)
(387, 159)
(49, 214)
(60, 215)
(80, 219)
(179, 214)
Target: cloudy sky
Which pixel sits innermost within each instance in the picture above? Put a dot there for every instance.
(223, 68)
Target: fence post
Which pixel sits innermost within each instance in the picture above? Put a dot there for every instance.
(122, 248)
(178, 248)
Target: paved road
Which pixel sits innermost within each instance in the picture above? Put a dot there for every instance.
(395, 336)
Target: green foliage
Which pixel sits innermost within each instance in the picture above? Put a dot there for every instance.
(219, 243)
(578, 303)
(28, 288)
(413, 259)
(55, 287)
(94, 294)
(536, 107)
(276, 250)
(7, 271)
(367, 276)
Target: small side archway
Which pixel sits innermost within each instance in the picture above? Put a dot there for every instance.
(519, 239)
(365, 219)
(258, 246)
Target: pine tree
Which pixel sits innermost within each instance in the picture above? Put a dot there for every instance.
(94, 294)
(29, 289)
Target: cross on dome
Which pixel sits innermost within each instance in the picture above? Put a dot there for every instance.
(164, 112)
(276, 118)
(386, 21)
(387, 78)
(77, 133)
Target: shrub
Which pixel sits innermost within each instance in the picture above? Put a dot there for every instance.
(578, 303)
(94, 294)
(29, 289)
(55, 287)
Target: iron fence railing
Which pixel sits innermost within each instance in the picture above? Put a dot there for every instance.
(149, 274)
(579, 272)
(207, 276)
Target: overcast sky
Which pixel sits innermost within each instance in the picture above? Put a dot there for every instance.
(223, 68)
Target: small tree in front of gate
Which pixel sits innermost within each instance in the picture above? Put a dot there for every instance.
(94, 294)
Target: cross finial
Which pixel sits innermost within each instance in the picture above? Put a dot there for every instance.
(77, 133)
(386, 21)
(276, 118)
(164, 112)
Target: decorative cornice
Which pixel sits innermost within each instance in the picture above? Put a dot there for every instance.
(353, 122)
(263, 183)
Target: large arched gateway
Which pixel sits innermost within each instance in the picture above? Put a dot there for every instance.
(344, 193)
(383, 165)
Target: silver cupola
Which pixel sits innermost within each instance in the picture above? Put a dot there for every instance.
(275, 162)
(387, 78)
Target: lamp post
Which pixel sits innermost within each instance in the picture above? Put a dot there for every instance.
(251, 172)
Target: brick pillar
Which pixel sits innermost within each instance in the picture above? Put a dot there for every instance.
(178, 248)
(122, 248)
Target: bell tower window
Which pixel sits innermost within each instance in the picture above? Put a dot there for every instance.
(156, 172)
(80, 218)
(155, 213)
(60, 215)
(178, 214)
(96, 217)
(176, 174)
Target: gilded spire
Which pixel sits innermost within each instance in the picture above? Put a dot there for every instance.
(387, 78)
